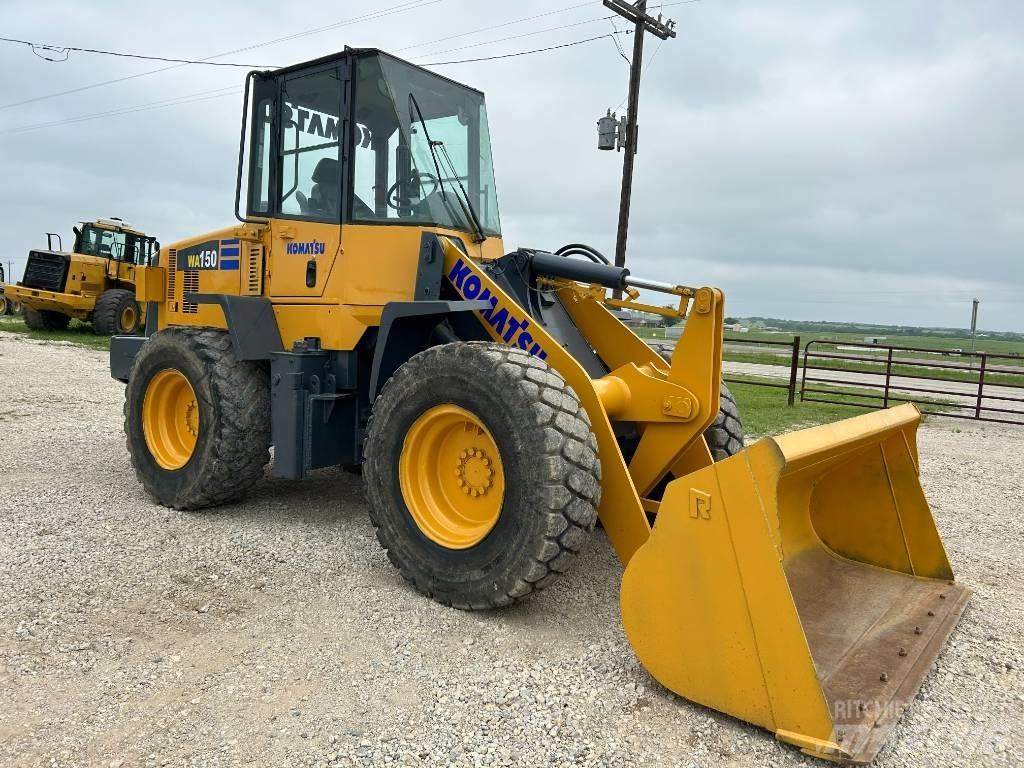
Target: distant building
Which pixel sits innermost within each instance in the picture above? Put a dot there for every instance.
(641, 321)
(737, 328)
(874, 339)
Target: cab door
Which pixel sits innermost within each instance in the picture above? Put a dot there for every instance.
(114, 248)
(306, 226)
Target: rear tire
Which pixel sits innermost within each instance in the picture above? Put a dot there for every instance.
(5, 306)
(230, 408)
(117, 312)
(44, 320)
(546, 458)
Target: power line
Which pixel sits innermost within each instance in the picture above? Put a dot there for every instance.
(496, 26)
(409, 5)
(221, 92)
(188, 98)
(618, 47)
(518, 53)
(517, 37)
(647, 66)
(65, 49)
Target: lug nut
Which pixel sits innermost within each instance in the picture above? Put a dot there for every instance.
(903, 651)
(884, 677)
(917, 630)
(931, 613)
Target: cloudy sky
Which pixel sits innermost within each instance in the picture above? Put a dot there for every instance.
(854, 160)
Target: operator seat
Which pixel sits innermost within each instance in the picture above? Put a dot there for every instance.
(323, 197)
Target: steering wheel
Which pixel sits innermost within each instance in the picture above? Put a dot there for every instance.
(415, 178)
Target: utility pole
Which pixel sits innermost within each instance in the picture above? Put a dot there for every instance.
(643, 22)
(974, 326)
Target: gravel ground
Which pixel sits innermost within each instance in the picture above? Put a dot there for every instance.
(274, 632)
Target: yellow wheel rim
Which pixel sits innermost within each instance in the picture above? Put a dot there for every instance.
(170, 419)
(128, 318)
(451, 476)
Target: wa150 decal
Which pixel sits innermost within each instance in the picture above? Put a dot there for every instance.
(200, 257)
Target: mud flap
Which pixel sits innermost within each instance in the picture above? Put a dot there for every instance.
(800, 585)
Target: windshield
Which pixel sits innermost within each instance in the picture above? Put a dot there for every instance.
(397, 177)
(109, 244)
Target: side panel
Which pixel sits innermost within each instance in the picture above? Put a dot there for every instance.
(304, 256)
(209, 264)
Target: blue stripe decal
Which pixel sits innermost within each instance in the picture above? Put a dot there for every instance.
(229, 242)
(229, 252)
(229, 265)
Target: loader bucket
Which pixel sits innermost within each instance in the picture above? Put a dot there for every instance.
(800, 585)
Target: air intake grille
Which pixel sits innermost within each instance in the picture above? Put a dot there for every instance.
(172, 273)
(46, 271)
(254, 270)
(190, 284)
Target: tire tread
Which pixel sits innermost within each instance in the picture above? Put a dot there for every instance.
(569, 489)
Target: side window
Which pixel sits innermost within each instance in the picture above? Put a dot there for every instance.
(111, 245)
(310, 176)
(131, 249)
(259, 191)
(136, 250)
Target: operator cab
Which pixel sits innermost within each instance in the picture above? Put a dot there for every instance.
(362, 137)
(113, 239)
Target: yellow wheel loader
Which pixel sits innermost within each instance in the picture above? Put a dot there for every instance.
(364, 312)
(95, 283)
(8, 306)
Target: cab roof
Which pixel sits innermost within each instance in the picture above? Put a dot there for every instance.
(359, 53)
(115, 225)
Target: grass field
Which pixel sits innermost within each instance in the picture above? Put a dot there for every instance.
(765, 413)
(77, 333)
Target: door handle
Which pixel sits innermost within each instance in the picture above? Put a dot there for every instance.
(286, 233)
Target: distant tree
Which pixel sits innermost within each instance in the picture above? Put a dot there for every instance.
(731, 320)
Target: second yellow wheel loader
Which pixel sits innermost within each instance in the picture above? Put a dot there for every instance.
(94, 283)
(364, 312)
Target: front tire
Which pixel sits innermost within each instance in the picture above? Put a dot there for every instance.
(197, 421)
(116, 312)
(462, 535)
(44, 320)
(725, 435)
